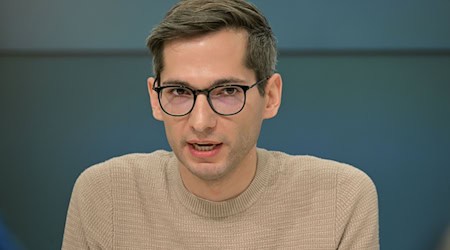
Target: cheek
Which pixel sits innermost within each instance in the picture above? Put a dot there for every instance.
(173, 132)
(249, 128)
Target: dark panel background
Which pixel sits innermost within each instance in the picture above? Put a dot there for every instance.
(382, 105)
(301, 24)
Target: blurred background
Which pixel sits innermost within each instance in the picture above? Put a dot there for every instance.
(365, 82)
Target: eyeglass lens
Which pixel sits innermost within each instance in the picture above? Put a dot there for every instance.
(224, 100)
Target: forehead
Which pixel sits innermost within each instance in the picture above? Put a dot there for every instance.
(220, 54)
(226, 35)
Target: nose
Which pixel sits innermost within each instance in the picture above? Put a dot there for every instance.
(202, 118)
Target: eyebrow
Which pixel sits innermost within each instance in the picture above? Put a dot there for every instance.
(222, 81)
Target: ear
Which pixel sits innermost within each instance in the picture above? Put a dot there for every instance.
(273, 92)
(154, 103)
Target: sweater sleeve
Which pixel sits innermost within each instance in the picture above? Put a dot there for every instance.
(356, 211)
(89, 217)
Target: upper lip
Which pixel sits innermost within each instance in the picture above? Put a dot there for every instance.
(203, 142)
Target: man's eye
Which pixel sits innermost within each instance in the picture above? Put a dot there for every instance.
(179, 91)
(228, 91)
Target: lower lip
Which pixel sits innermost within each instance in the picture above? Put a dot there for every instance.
(204, 154)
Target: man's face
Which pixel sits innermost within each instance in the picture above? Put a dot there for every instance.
(209, 145)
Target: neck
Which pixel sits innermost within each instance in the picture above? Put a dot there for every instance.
(226, 187)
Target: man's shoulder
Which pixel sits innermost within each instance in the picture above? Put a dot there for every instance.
(301, 163)
(135, 164)
(317, 168)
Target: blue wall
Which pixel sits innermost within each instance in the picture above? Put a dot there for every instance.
(306, 24)
(365, 82)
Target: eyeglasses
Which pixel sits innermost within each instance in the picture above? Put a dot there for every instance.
(226, 99)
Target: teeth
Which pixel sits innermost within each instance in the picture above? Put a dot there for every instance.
(204, 147)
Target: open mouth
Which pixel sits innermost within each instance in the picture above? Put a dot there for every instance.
(204, 147)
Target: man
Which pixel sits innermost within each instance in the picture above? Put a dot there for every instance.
(214, 85)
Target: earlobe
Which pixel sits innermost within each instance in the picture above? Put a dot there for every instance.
(273, 93)
(154, 103)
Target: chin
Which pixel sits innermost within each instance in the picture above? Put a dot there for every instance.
(209, 173)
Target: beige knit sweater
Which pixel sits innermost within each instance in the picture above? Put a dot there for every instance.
(138, 201)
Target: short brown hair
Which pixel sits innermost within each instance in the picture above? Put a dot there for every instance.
(196, 17)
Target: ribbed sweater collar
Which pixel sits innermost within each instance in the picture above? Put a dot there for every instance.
(226, 208)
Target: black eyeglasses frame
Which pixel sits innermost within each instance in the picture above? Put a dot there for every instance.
(206, 92)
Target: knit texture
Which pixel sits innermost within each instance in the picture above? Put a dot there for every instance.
(138, 201)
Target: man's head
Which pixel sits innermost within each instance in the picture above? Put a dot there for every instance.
(197, 17)
(210, 57)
